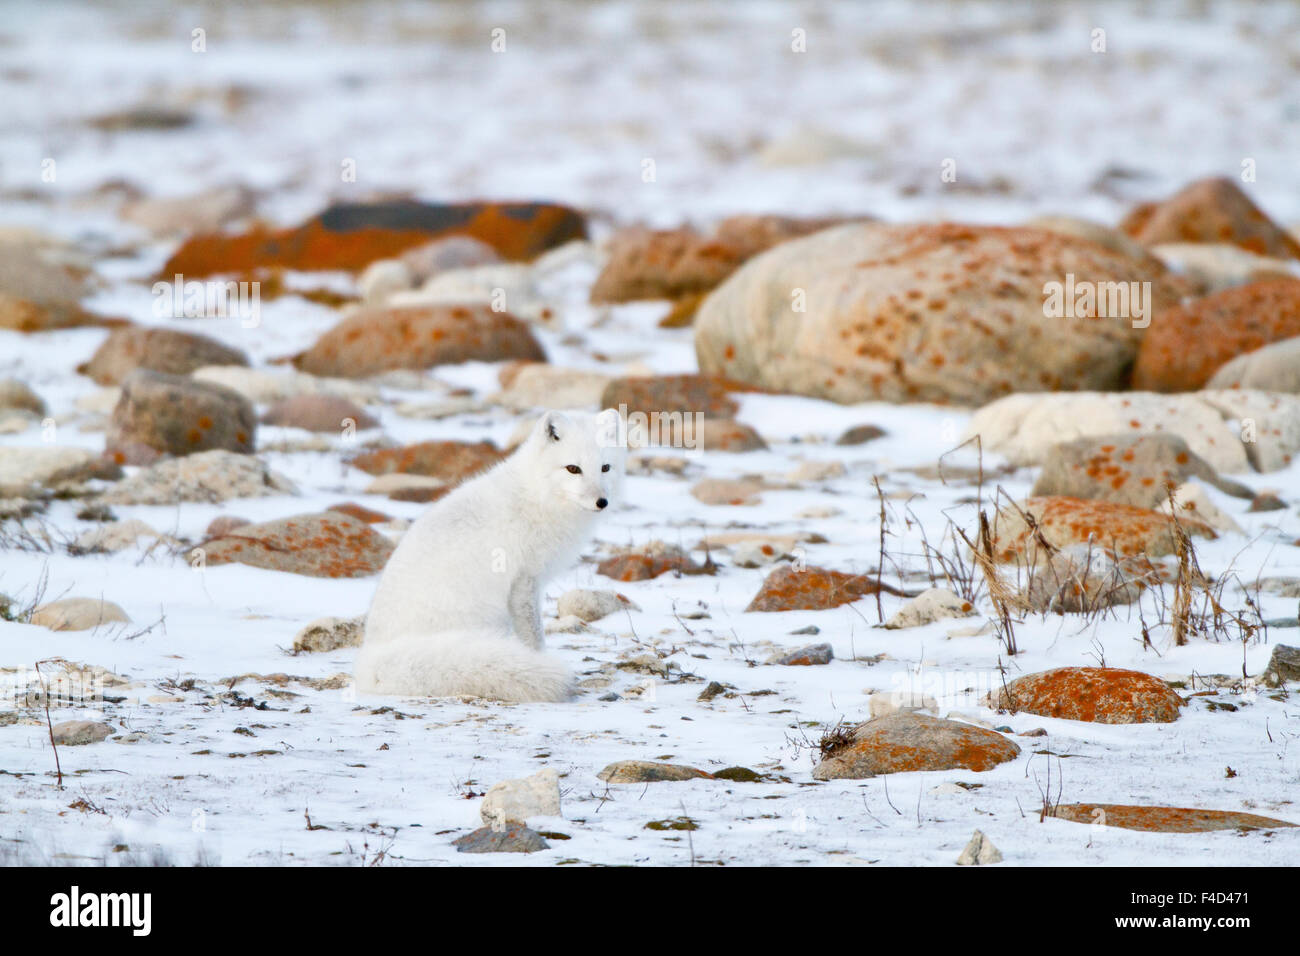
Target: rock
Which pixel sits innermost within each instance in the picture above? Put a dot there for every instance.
(662, 264)
(210, 476)
(452, 461)
(1082, 578)
(807, 656)
(16, 395)
(1210, 210)
(884, 703)
(860, 435)
(382, 279)
(808, 146)
(222, 525)
(329, 634)
(717, 434)
(443, 255)
(813, 471)
(1192, 503)
(510, 839)
(78, 614)
(159, 350)
(514, 801)
(906, 742)
(1164, 819)
(368, 515)
(936, 604)
(812, 589)
(1113, 239)
(351, 236)
(505, 286)
(40, 289)
(327, 545)
(666, 395)
(264, 387)
(645, 771)
(169, 414)
(1190, 343)
(1023, 428)
(319, 413)
(404, 487)
(539, 385)
(711, 691)
(27, 471)
(120, 535)
(148, 116)
(567, 624)
(1119, 530)
(1266, 501)
(588, 605)
(980, 851)
(78, 733)
(920, 313)
(756, 554)
(1213, 267)
(1268, 424)
(207, 211)
(655, 559)
(1283, 666)
(1271, 368)
(1134, 469)
(1106, 695)
(727, 491)
(374, 340)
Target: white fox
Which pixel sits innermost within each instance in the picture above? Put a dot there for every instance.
(456, 611)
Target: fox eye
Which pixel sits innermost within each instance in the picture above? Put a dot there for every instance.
(604, 467)
(573, 469)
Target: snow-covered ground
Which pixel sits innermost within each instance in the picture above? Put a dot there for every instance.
(580, 98)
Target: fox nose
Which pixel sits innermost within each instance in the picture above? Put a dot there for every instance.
(601, 503)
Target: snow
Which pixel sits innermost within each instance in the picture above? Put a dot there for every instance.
(569, 112)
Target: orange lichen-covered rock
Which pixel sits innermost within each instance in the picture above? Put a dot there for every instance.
(650, 562)
(1164, 819)
(789, 588)
(452, 461)
(418, 337)
(327, 545)
(669, 394)
(1120, 530)
(1105, 695)
(157, 349)
(159, 414)
(1182, 351)
(677, 263)
(906, 742)
(942, 312)
(351, 236)
(1138, 470)
(1210, 210)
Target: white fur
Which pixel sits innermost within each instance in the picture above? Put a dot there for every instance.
(456, 611)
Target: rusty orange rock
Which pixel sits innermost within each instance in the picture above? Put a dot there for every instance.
(1184, 348)
(327, 545)
(906, 742)
(452, 461)
(1210, 210)
(1165, 819)
(813, 589)
(418, 337)
(1105, 695)
(1120, 530)
(350, 237)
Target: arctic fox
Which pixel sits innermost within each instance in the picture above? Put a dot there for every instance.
(456, 611)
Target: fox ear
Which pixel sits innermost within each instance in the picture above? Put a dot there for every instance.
(551, 425)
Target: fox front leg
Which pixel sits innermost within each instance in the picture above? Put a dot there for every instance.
(524, 614)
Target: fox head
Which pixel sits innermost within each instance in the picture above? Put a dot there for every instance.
(579, 457)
